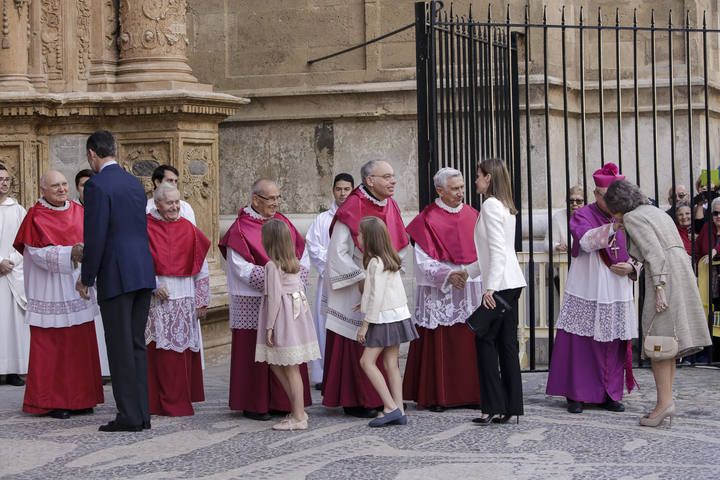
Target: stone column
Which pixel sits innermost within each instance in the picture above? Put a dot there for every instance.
(153, 43)
(14, 16)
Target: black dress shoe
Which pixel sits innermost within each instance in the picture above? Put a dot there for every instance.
(114, 426)
(484, 420)
(82, 411)
(59, 414)
(146, 425)
(574, 407)
(319, 386)
(360, 412)
(505, 419)
(436, 408)
(14, 379)
(263, 417)
(613, 406)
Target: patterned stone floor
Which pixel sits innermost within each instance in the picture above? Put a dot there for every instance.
(219, 444)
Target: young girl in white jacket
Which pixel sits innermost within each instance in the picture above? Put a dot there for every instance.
(386, 323)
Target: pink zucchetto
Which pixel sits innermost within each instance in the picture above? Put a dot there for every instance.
(606, 175)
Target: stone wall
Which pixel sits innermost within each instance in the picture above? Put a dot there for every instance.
(363, 103)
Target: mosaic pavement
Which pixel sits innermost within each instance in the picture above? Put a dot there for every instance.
(218, 444)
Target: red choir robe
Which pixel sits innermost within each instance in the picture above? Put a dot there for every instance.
(344, 382)
(441, 367)
(64, 368)
(175, 378)
(253, 387)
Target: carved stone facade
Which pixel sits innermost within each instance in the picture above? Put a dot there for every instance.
(70, 67)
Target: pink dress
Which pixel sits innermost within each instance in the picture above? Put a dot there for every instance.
(285, 309)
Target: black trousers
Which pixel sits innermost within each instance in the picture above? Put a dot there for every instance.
(124, 319)
(498, 362)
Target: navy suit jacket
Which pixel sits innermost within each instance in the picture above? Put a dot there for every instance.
(117, 250)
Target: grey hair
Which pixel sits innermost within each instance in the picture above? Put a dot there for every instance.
(367, 169)
(256, 188)
(444, 174)
(162, 190)
(623, 196)
(715, 201)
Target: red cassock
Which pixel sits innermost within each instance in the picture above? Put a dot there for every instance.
(64, 367)
(345, 384)
(441, 367)
(253, 387)
(175, 379)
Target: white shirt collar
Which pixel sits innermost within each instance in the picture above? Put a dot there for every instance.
(249, 210)
(371, 198)
(333, 207)
(448, 208)
(8, 201)
(111, 162)
(46, 204)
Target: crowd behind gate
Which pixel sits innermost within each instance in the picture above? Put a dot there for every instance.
(112, 286)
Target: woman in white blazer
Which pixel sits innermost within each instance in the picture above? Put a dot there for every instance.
(501, 388)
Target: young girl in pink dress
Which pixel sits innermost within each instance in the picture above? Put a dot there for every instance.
(286, 335)
(386, 318)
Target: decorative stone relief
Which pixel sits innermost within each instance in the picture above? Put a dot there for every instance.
(110, 19)
(10, 158)
(51, 37)
(5, 43)
(154, 27)
(83, 37)
(141, 159)
(196, 175)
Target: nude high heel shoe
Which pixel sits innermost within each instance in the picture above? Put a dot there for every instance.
(659, 418)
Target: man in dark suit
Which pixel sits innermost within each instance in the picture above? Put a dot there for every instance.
(117, 255)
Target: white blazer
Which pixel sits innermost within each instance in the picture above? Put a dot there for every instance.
(495, 246)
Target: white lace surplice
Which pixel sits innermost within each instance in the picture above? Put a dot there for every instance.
(439, 304)
(173, 324)
(50, 281)
(597, 302)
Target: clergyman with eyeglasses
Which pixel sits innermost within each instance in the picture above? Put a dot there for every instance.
(253, 388)
(344, 383)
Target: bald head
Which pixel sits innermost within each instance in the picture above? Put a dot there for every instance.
(379, 178)
(265, 197)
(54, 188)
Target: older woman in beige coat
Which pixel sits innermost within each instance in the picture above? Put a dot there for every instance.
(672, 300)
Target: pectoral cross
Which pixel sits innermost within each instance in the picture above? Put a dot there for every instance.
(614, 247)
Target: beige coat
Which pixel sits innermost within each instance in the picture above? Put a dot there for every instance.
(653, 239)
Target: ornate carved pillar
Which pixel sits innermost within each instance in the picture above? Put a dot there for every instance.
(153, 41)
(104, 54)
(36, 72)
(14, 16)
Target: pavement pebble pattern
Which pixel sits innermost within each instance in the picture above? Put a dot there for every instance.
(219, 444)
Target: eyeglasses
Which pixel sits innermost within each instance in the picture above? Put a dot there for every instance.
(387, 177)
(682, 195)
(270, 199)
(5, 179)
(577, 201)
(716, 214)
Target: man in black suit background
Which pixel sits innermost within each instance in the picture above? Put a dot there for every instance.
(117, 255)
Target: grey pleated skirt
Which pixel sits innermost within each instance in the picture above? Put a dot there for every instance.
(389, 334)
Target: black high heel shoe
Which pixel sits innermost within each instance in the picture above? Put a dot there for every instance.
(506, 419)
(484, 420)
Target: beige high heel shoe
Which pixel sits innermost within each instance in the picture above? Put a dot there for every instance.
(657, 420)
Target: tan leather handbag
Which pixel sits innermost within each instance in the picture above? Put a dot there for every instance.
(660, 348)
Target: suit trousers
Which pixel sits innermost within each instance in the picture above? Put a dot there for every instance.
(124, 318)
(500, 385)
